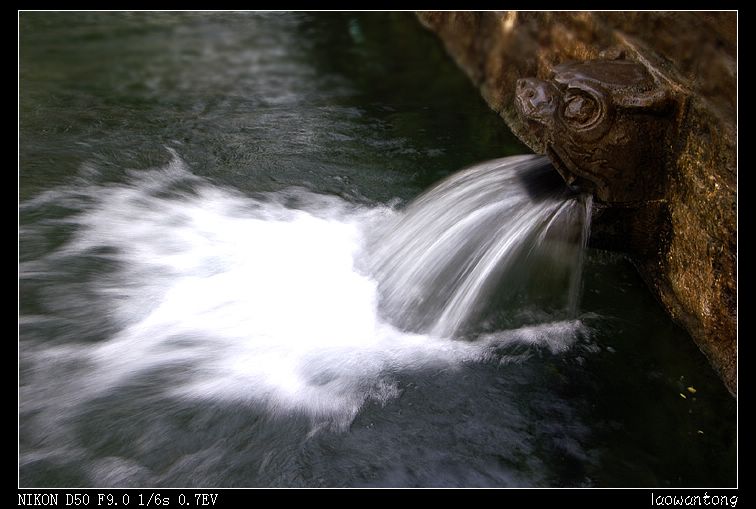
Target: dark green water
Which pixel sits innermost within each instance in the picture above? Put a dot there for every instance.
(149, 141)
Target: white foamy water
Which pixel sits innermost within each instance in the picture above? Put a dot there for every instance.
(212, 295)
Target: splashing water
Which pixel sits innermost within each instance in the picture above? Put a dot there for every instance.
(484, 230)
(201, 293)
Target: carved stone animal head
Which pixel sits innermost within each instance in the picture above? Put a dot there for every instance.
(605, 125)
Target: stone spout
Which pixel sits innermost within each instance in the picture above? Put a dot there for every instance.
(605, 125)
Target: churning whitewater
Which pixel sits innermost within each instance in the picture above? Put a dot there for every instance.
(292, 301)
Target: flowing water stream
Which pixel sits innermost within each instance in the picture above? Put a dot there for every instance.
(483, 231)
(246, 258)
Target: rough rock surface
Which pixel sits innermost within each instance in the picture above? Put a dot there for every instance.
(684, 243)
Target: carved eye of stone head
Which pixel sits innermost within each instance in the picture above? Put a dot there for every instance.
(581, 110)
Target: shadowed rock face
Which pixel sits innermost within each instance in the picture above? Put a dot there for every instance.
(605, 126)
(640, 109)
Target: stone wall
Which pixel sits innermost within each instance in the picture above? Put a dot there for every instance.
(685, 244)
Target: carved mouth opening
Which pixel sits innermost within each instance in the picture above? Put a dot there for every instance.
(566, 169)
(542, 182)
